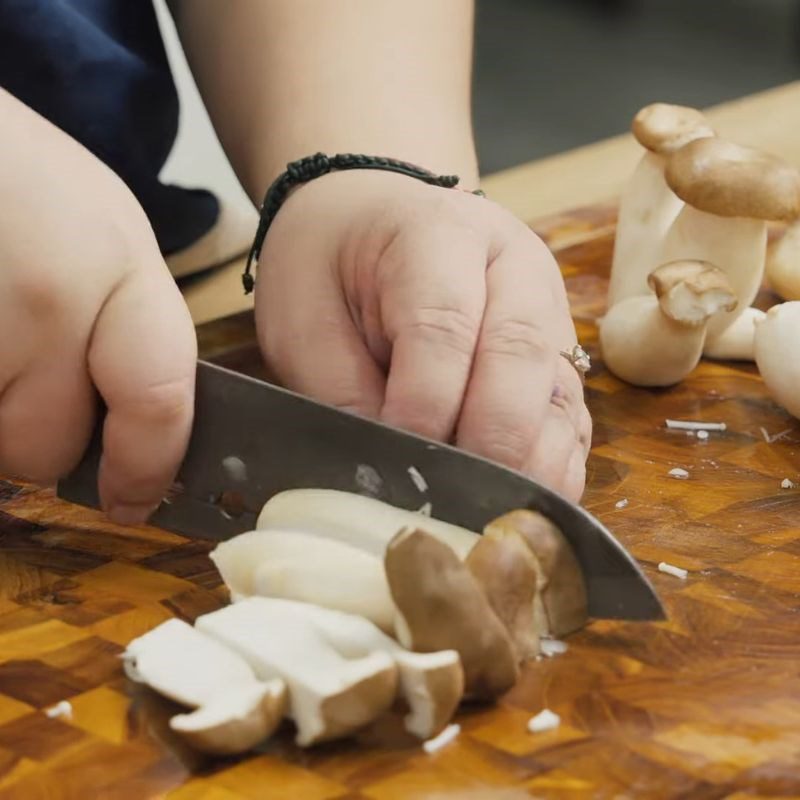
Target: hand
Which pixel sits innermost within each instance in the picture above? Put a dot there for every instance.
(86, 303)
(431, 309)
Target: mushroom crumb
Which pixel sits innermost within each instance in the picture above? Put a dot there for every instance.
(426, 509)
(419, 481)
(621, 503)
(442, 740)
(544, 721)
(61, 709)
(787, 484)
(670, 569)
(702, 434)
(692, 425)
(680, 474)
(552, 647)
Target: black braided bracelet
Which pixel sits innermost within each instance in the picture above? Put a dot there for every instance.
(306, 169)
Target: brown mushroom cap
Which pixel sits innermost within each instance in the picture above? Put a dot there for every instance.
(729, 180)
(505, 568)
(561, 588)
(443, 608)
(691, 291)
(664, 128)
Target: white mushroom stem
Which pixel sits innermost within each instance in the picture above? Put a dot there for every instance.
(735, 245)
(647, 209)
(309, 568)
(783, 264)
(737, 341)
(330, 696)
(432, 684)
(777, 336)
(235, 711)
(362, 522)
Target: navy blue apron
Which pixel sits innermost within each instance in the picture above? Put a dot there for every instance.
(98, 70)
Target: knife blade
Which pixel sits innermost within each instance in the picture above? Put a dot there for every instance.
(251, 440)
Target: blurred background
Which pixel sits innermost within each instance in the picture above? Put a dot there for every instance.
(551, 75)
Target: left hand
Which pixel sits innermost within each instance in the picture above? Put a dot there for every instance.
(431, 309)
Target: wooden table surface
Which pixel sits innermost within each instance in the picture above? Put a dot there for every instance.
(705, 705)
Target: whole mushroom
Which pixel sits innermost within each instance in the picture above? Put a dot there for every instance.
(776, 341)
(783, 264)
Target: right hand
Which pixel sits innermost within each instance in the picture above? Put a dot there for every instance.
(86, 303)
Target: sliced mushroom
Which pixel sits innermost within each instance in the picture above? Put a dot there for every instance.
(648, 206)
(505, 568)
(432, 684)
(776, 341)
(362, 522)
(730, 192)
(442, 607)
(235, 711)
(313, 569)
(658, 340)
(560, 605)
(330, 696)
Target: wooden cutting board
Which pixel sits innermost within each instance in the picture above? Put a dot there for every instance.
(706, 705)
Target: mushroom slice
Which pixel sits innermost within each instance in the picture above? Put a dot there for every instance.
(354, 519)
(432, 684)
(330, 696)
(783, 264)
(658, 341)
(506, 569)
(730, 193)
(737, 341)
(235, 711)
(234, 720)
(442, 607)
(776, 342)
(648, 206)
(313, 569)
(560, 605)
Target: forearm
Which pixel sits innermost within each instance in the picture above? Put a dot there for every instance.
(284, 79)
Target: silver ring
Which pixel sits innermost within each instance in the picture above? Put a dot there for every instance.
(579, 359)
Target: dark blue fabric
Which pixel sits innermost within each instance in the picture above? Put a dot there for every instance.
(98, 70)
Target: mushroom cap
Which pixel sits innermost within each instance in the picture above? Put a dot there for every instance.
(728, 180)
(561, 586)
(442, 607)
(664, 128)
(506, 570)
(691, 291)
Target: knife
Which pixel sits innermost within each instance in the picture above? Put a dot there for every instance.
(252, 439)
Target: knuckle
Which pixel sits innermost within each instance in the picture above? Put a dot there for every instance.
(165, 402)
(518, 338)
(506, 444)
(448, 326)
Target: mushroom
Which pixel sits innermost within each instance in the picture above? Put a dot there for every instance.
(783, 264)
(730, 192)
(506, 569)
(560, 604)
(330, 696)
(234, 710)
(648, 206)
(737, 341)
(357, 520)
(300, 566)
(776, 341)
(432, 684)
(657, 340)
(441, 607)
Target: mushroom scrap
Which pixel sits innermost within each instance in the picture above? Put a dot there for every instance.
(708, 261)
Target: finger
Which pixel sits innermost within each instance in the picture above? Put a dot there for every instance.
(575, 478)
(431, 311)
(143, 359)
(46, 417)
(526, 322)
(310, 341)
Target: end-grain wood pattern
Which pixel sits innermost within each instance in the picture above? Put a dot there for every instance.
(705, 705)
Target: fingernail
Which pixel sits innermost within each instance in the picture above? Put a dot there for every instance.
(123, 514)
